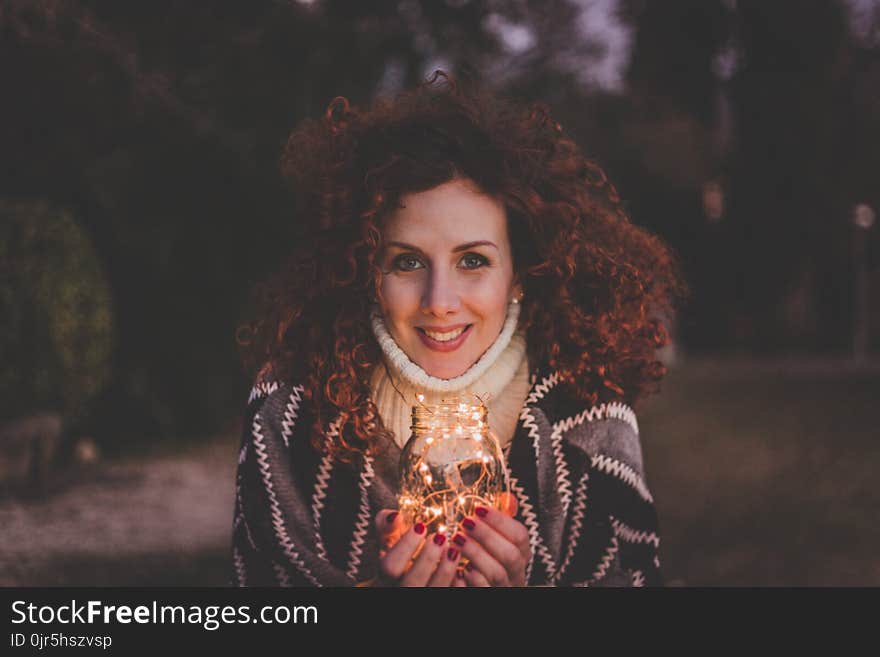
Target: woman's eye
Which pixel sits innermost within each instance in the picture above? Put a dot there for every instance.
(407, 263)
(473, 261)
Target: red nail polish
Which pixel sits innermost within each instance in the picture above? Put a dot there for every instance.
(481, 511)
(468, 524)
(439, 539)
(452, 554)
(419, 528)
(390, 517)
(459, 540)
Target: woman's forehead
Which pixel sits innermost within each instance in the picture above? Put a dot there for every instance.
(451, 212)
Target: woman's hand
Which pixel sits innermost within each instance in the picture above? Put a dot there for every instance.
(496, 545)
(413, 558)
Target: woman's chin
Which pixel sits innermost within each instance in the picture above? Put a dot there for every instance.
(445, 370)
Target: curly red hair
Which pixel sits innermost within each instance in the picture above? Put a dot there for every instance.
(596, 287)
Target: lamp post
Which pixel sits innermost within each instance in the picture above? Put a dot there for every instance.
(863, 220)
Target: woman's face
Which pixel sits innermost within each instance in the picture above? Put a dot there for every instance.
(447, 276)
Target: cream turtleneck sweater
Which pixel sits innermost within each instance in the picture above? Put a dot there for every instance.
(501, 374)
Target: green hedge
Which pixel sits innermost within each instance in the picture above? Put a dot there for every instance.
(56, 331)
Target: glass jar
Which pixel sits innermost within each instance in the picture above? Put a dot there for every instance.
(451, 463)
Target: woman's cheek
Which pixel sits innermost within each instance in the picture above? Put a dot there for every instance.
(491, 299)
(401, 298)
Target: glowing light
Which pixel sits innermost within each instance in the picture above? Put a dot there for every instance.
(440, 482)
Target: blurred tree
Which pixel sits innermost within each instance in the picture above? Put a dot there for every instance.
(674, 59)
(776, 105)
(675, 136)
(160, 124)
(56, 337)
(801, 147)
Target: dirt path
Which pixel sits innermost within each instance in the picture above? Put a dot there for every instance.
(160, 521)
(764, 475)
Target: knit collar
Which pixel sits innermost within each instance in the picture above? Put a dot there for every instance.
(500, 375)
(415, 375)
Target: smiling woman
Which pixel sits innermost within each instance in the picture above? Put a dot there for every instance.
(447, 275)
(459, 244)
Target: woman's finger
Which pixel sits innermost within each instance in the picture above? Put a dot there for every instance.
(445, 573)
(390, 526)
(426, 563)
(512, 530)
(490, 568)
(396, 561)
(474, 577)
(498, 547)
(508, 504)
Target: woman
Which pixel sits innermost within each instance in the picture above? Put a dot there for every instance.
(457, 244)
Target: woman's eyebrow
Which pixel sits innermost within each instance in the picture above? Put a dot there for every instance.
(460, 247)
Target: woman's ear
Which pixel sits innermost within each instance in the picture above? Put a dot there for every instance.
(516, 293)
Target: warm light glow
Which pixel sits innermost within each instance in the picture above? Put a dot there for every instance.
(442, 481)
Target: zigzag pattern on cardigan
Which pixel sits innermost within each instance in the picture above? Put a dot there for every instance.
(303, 519)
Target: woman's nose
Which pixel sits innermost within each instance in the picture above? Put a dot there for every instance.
(440, 296)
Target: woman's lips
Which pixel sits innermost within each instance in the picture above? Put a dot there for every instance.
(450, 345)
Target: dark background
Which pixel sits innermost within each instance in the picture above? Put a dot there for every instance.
(744, 132)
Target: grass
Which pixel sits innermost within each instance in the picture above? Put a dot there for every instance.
(763, 475)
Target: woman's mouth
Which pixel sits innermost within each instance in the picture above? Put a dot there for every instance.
(444, 340)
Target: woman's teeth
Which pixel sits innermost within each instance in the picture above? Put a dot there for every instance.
(445, 337)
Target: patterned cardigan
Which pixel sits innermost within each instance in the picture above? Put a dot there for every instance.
(305, 519)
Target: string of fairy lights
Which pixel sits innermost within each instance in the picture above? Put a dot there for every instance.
(451, 463)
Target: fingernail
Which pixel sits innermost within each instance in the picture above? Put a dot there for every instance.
(390, 517)
(452, 554)
(481, 511)
(468, 524)
(470, 566)
(419, 528)
(439, 539)
(459, 540)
